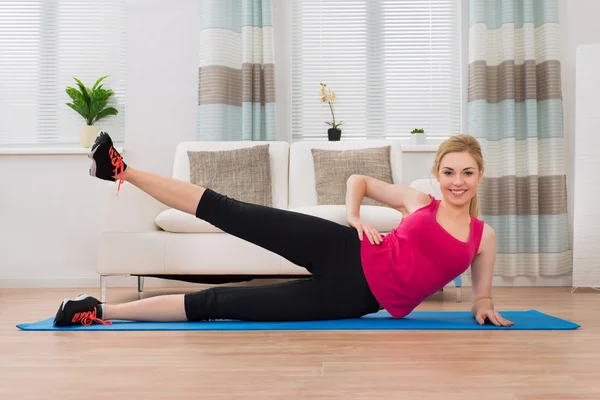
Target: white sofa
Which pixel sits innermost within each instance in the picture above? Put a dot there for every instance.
(189, 249)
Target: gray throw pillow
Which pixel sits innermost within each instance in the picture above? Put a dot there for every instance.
(242, 174)
(334, 167)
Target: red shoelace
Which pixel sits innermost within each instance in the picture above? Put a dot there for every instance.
(86, 318)
(117, 161)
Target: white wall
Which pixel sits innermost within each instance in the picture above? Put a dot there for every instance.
(162, 80)
(50, 212)
(579, 25)
(47, 240)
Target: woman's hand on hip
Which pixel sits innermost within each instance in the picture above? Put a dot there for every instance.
(365, 229)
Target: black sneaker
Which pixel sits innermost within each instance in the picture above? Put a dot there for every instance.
(83, 310)
(107, 163)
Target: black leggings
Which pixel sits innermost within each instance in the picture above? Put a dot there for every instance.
(337, 288)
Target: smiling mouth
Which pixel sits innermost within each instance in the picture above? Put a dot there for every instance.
(458, 193)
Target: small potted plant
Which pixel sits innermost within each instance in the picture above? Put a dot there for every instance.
(91, 104)
(418, 137)
(328, 97)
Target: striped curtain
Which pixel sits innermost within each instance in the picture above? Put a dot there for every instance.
(516, 112)
(236, 85)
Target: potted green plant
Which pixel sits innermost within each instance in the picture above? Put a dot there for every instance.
(329, 97)
(91, 104)
(418, 137)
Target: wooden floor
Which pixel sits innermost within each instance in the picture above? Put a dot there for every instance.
(428, 365)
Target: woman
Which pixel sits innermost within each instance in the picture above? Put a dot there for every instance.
(355, 270)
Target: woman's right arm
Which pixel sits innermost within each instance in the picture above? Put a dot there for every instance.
(400, 197)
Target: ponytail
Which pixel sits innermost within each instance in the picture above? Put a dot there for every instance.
(474, 207)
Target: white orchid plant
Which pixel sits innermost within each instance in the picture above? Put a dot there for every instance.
(329, 97)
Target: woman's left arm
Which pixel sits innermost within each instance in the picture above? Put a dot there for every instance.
(482, 269)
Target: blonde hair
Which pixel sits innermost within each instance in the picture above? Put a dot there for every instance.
(461, 144)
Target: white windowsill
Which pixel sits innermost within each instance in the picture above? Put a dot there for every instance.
(407, 147)
(49, 150)
(414, 148)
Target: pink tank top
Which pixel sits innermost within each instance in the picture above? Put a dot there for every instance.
(417, 259)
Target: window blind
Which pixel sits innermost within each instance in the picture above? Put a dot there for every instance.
(394, 65)
(43, 45)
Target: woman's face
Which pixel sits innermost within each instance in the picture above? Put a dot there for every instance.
(459, 178)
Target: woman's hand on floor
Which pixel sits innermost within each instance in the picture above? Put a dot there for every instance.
(365, 229)
(491, 315)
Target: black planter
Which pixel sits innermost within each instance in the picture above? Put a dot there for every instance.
(334, 134)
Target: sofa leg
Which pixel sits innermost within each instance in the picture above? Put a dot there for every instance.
(104, 284)
(140, 284)
(458, 284)
(103, 287)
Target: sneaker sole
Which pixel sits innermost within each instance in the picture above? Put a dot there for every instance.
(93, 166)
(78, 298)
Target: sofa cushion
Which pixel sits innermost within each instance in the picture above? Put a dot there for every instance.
(279, 153)
(302, 191)
(334, 167)
(243, 174)
(384, 219)
(176, 221)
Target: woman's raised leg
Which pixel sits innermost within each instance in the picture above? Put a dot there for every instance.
(302, 239)
(177, 194)
(108, 164)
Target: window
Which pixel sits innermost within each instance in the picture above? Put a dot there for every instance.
(394, 65)
(43, 45)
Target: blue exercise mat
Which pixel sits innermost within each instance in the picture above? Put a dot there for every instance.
(417, 320)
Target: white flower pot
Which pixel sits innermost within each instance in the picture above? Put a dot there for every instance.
(418, 139)
(87, 135)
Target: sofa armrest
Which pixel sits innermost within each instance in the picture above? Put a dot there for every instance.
(130, 211)
(429, 186)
